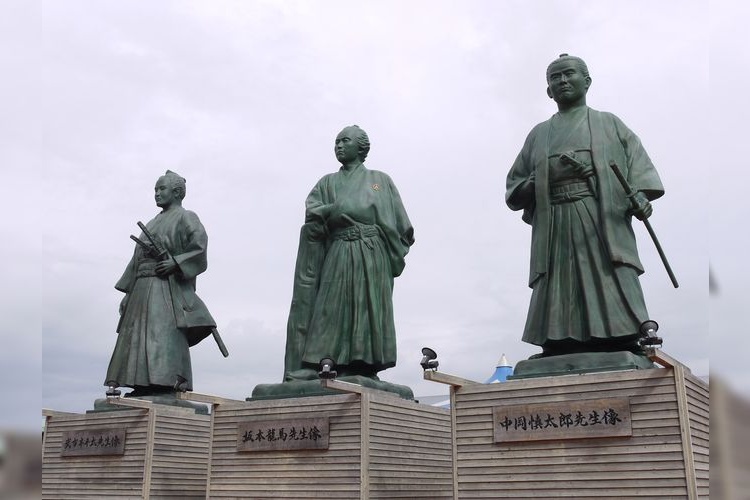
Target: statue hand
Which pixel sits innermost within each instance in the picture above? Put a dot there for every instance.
(644, 209)
(319, 213)
(317, 231)
(586, 171)
(166, 267)
(337, 208)
(581, 169)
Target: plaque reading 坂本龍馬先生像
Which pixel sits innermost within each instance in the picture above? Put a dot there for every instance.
(276, 435)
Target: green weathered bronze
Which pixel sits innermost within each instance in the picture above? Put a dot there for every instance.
(584, 264)
(581, 362)
(353, 243)
(161, 316)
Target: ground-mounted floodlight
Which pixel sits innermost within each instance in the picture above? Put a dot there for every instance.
(327, 371)
(112, 389)
(648, 331)
(181, 384)
(429, 359)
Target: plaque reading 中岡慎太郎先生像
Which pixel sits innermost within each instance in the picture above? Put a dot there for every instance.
(282, 435)
(592, 418)
(104, 441)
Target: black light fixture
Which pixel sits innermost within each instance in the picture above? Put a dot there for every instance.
(429, 359)
(112, 389)
(648, 331)
(327, 371)
(181, 384)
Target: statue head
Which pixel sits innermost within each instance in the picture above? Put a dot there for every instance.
(170, 189)
(359, 140)
(177, 182)
(568, 80)
(574, 59)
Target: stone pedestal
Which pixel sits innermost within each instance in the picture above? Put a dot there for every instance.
(144, 450)
(637, 433)
(568, 364)
(300, 388)
(362, 445)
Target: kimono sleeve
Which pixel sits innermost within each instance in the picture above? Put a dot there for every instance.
(521, 173)
(642, 175)
(399, 233)
(126, 281)
(192, 259)
(317, 204)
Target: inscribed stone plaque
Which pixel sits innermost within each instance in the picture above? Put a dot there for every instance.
(278, 435)
(104, 441)
(592, 418)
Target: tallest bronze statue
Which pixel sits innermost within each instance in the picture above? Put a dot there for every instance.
(584, 262)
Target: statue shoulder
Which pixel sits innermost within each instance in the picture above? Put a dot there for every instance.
(605, 116)
(612, 123)
(379, 174)
(380, 177)
(540, 129)
(189, 217)
(540, 126)
(326, 179)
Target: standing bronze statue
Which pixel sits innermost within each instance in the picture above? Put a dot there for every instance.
(353, 243)
(161, 316)
(584, 263)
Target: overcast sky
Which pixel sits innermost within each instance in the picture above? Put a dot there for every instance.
(244, 99)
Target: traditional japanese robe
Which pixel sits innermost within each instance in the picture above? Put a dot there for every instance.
(584, 260)
(351, 247)
(163, 317)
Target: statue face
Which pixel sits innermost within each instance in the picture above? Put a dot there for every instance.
(566, 84)
(164, 193)
(346, 147)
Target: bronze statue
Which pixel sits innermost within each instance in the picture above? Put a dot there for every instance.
(353, 243)
(161, 316)
(584, 263)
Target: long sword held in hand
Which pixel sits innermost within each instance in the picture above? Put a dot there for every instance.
(630, 193)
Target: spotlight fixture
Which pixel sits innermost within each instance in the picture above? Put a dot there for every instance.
(429, 359)
(327, 371)
(112, 389)
(181, 384)
(648, 331)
